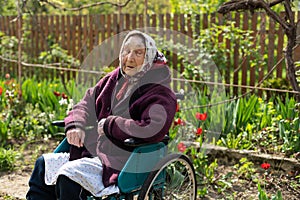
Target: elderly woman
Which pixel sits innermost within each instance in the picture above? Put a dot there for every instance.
(133, 101)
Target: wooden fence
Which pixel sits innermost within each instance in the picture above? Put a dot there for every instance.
(80, 34)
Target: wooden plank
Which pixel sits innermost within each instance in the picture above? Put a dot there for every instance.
(69, 42)
(175, 68)
(154, 23)
(133, 21)
(189, 26)
(108, 25)
(37, 35)
(79, 38)
(147, 22)
(74, 36)
(161, 25)
(236, 57)
(205, 21)
(254, 29)
(57, 28)
(2, 24)
(115, 24)
(197, 25)
(97, 27)
(168, 36)
(280, 41)
(182, 39)
(141, 21)
(91, 33)
(116, 41)
(62, 31)
(102, 28)
(14, 30)
(271, 46)
(128, 24)
(262, 47)
(7, 32)
(85, 40)
(46, 25)
(2, 64)
(121, 23)
(245, 64)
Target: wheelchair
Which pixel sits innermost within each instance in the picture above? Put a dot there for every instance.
(151, 172)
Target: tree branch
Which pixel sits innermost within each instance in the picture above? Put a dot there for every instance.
(288, 11)
(86, 6)
(237, 5)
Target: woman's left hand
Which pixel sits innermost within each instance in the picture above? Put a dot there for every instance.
(76, 137)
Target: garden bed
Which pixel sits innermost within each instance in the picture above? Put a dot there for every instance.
(280, 176)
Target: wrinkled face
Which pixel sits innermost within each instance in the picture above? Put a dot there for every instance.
(133, 55)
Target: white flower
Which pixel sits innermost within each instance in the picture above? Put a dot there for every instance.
(63, 102)
(181, 91)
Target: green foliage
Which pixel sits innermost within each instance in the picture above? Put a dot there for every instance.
(239, 114)
(31, 123)
(8, 46)
(57, 54)
(212, 55)
(272, 126)
(246, 169)
(262, 195)
(195, 6)
(7, 159)
(30, 114)
(7, 7)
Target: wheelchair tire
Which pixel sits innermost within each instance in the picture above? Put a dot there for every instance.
(179, 180)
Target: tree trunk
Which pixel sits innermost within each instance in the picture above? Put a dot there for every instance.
(290, 65)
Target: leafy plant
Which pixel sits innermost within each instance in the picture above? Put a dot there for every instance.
(246, 169)
(262, 195)
(7, 159)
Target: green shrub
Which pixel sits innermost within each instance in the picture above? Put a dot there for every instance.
(7, 159)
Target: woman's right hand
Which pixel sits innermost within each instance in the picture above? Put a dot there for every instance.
(76, 137)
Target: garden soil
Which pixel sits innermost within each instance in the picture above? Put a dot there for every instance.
(14, 184)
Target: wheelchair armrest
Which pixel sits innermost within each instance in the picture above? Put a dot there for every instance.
(133, 142)
(179, 96)
(59, 123)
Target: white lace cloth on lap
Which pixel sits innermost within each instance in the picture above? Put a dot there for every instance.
(86, 171)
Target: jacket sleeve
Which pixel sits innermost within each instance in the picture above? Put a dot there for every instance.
(83, 113)
(156, 117)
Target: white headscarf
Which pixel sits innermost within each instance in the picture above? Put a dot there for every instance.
(150, 54)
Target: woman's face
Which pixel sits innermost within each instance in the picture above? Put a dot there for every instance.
(133, 55)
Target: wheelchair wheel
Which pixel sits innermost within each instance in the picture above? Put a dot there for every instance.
(174, 179)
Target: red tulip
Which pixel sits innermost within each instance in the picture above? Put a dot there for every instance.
(199, 131)
(1, 91)
(201, 116)
(56, 93)
(265, 166)
(64, 96)
(181, 147)
(179, 121)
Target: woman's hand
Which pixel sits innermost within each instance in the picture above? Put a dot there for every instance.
(76, 137)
